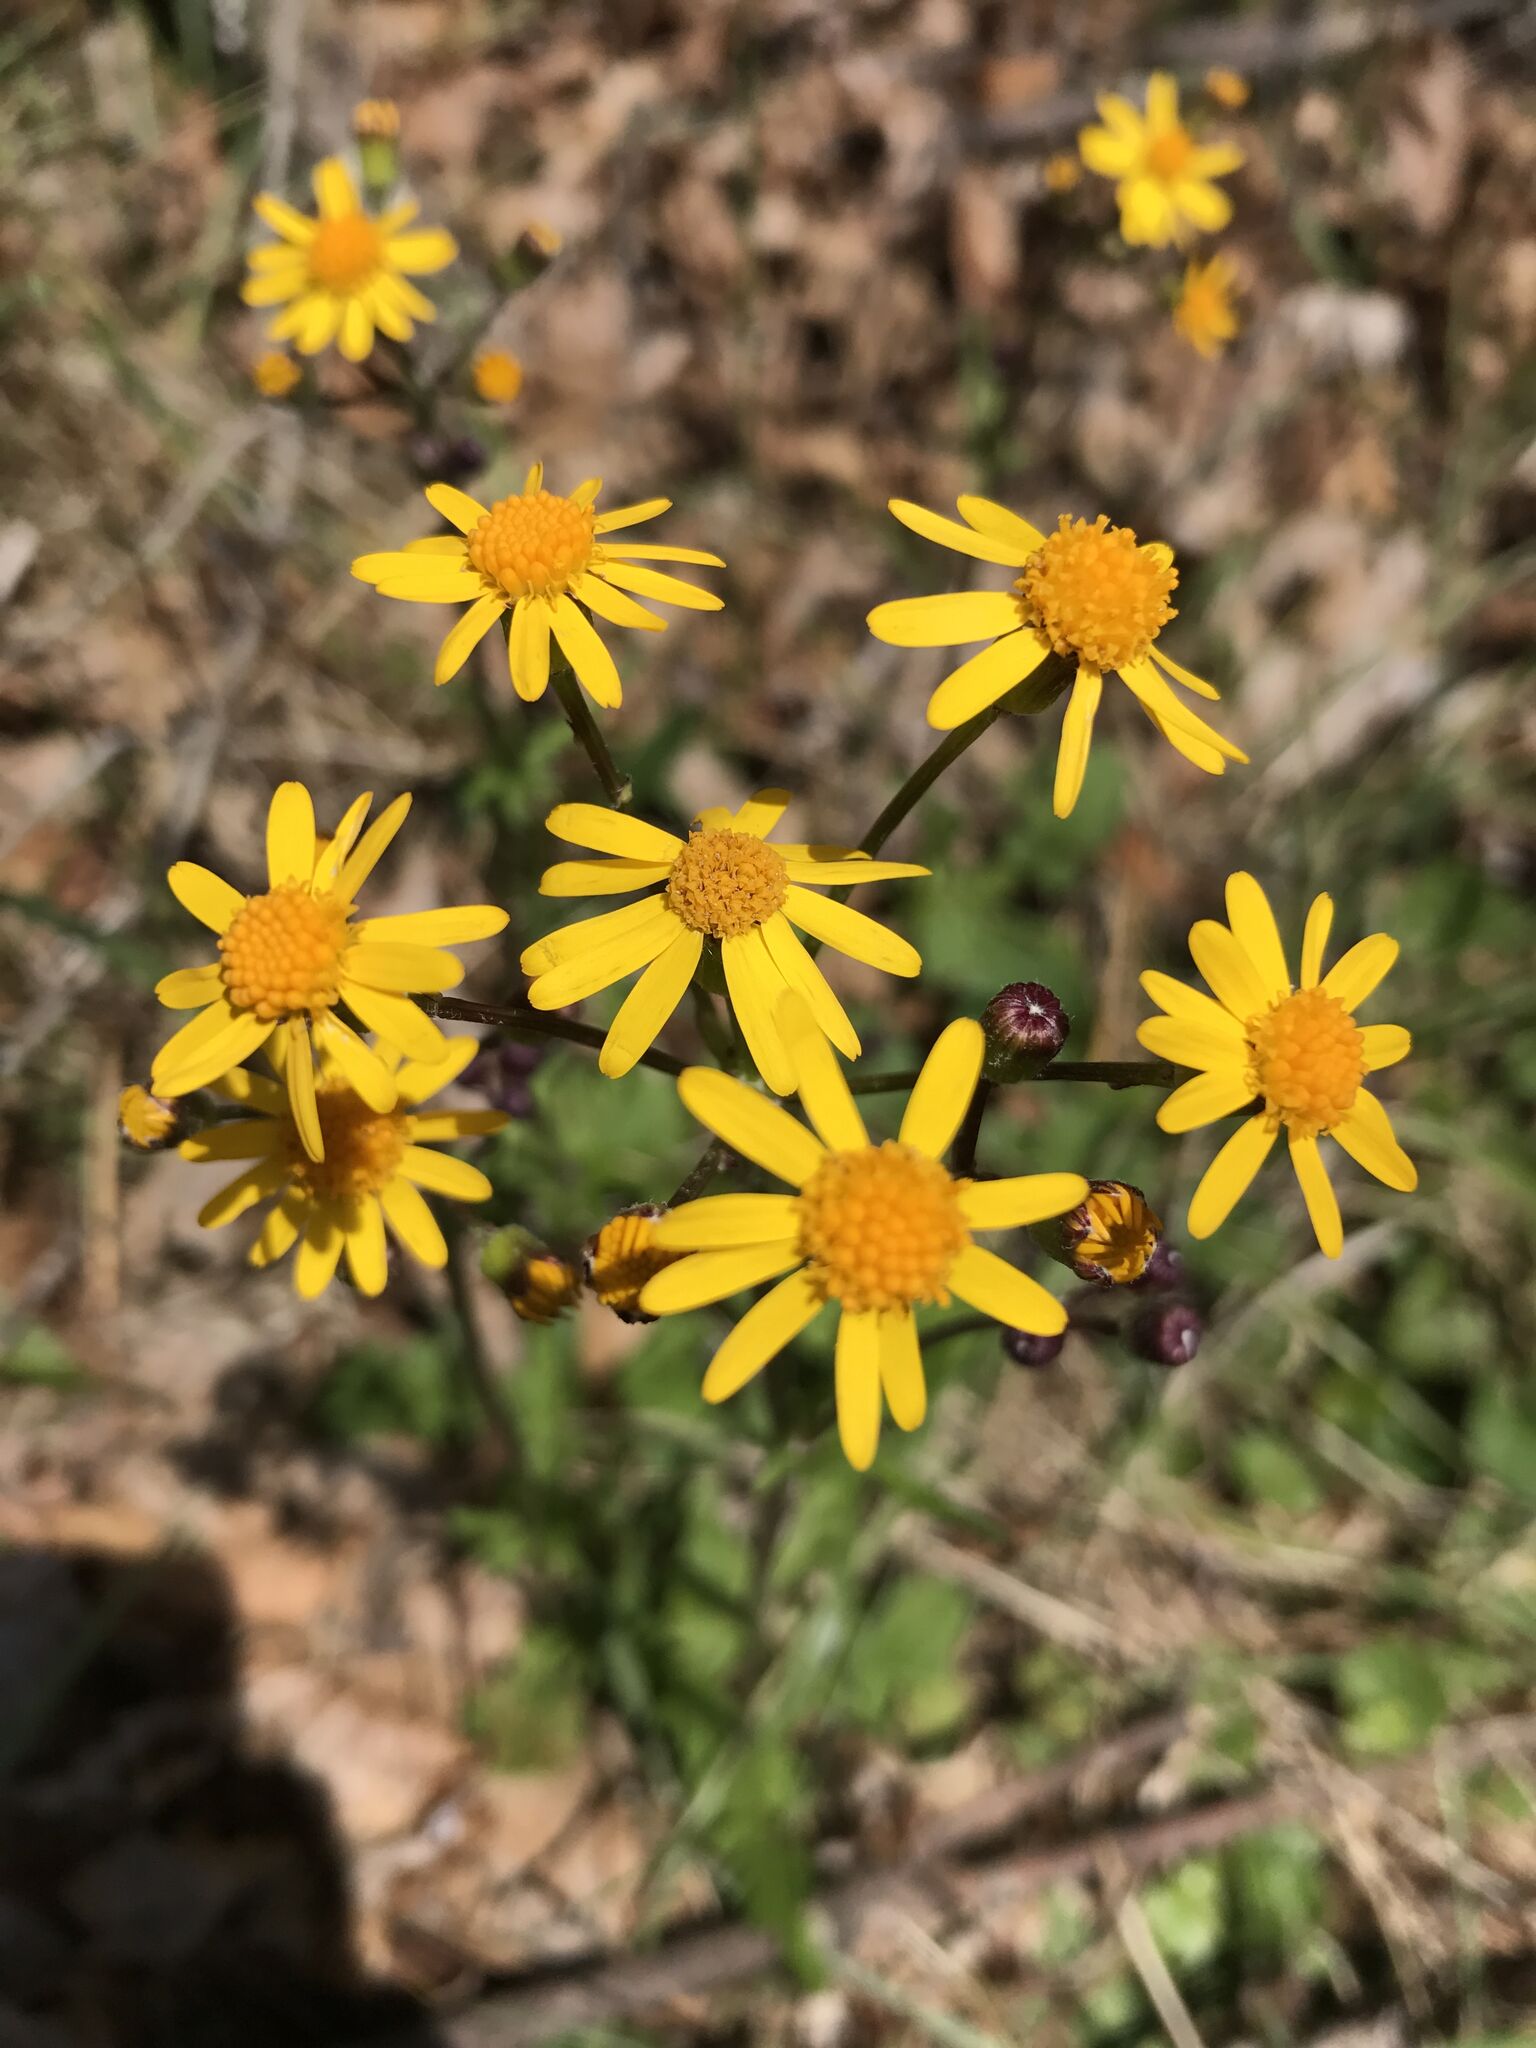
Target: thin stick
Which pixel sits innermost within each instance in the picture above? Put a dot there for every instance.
(617, 787)
(925, 775)
(478, 1370)
(537, 1024)
(970, 1131)
(1110, 1073)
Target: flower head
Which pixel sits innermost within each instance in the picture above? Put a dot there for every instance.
(290, 956)
(1163, 176)
(622, 1256)
(1228, 89)
(544, 559)
(375, 1165)
(1093, 595)
(1026, 1027)
(875, 1231)
(275, 374)
(340, 276)
(1110, 1236)
(145, 1121)
(1295, 1050)
(544, 1287)
(1204, 313)
(726, 885)
(498, 376)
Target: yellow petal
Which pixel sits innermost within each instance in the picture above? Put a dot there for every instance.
(988, 1283)
(1361, 970)
(1317, 1191)
(408, 1216)
(856, 1370)
(1076, 735)
(1192, 1005)
(850, 931)
(751, 1125)
(1227, 1178)
(650, 1003)
(1383, 1045)
(335, 193)
(654, 583)
(417, 1079)
(985, 677)
(720, 1222)
(1204, 1099)
(801, 973)
(629, 515)
(355, 339)
(457, 507)
(422, 252)
(245, 1138)
(942, 1093)
(360, 1066)
(819, 1079)
(1108, 155)
(462, 639)
(1253, 925)
(600, 966)
(756, 988)
(444, 1174)
(994, 519)
(964, 540)
(704, 1277)
(280, 1226)
(1025, 1198)
(217, 1040)
(295, 228)
(457, 925)
(367, 1254)
(1194, 1045)
(612, 832)
(211, 900)
(1206, 205)
(1314, 940)
(761, 812)
(573, 940)
(601, 877)
(290, 835)
(408, 970)
(1185, 676)
(371, 848)
(760, 1336)
(190, 988)
(299, 1078)
(582, 645)
(397, 1021)
(244, 1192)
(319, 1252)
(901, 1369)
(949, 620)
(1366, 1134)
(1228, 970)
(612, 604)
(528, 649)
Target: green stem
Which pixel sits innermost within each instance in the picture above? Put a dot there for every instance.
(537, 1024)
(715, 1158)
(617, 787)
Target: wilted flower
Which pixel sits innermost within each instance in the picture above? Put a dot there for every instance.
(1026, 1027)
(1298, 1052)
(1163, 176)
(145, 1121)
(275, 374)
(1109, 1237)
(498, 376)
(1204, 313)
(1168, 1333)
(622, 1257)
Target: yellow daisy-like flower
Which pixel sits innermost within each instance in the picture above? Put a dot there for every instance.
(1111, 1235)
(1297, 1051)
(346, 273)
(275, 374)
(497, 376)
(1204, 313)
(543, 558)
(375, 1166)
(289, 956)
(1090, 593)
(726, 884)
(1163, 176)
(877, 1230)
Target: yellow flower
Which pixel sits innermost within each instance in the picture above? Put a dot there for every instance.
(728, 884)
(376, 1164)
(498, 377)
(289, 955)
(622, 1257)
(542, 558)
(343, 275)
(1227, 88)
(1204, 313)
(1089, 593)
(1297, 1051)
(1109, 1237)
(545, 1287)
(145, 1121)
(376, 120)
(275, 374)
(878, 1230)
(1163, 176)
(1061, 172)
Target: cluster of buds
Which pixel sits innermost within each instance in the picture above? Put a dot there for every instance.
(615, 1264)
(1113, 1240)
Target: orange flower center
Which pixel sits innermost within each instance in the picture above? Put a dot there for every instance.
(1307, 1060)
(880, 1228)
(1120, 1233)
(726, 883)
(535, 544)
(362, 1149)
(282, 954)
(345, 253)
(621, 1258)
(1095, 594)
(1168, 154)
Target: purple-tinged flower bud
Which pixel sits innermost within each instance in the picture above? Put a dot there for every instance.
(1026, 1027)
(502, 1070)
(1164, 1271)
(448, 458)
(1168, 1333)
(1108, 1238)
(1023, 1347)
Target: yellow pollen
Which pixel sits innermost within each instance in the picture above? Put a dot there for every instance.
(880, 1228)
(621, 1258)
(726, 883)
(282, 954)
(362, 1149)
(1168, 154)
(535, 544)
(345, 253)
(1094, 593)
(1120, 1233)
(1307, 1061)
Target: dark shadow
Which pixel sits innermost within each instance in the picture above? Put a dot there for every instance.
(161, 1884)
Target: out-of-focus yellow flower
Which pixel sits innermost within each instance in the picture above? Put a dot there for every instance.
(546, 560)
(1163, 177)
(375, 1165)
(1204, 313)
(289, 956)
(622, 1257)
(376, 120)
(1227, 88)
(879, 1230)
(498, 376)
(145, 1121)
(545, 1287)
(343, 275)
(275, 374)
(1297, 1051)
(1092, 594)
(728, 885)
(1062, 172)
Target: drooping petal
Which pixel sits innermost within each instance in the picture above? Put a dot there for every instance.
(720, 1222)
(244, 1192)
(280, 1227)
(211, 900)
(1206, 205)
(650, 1003)
(1317, 1192)
(1076, 736)
(991, 674)
(1361, 970)
(850, 931)
(760, 1336)
(360, 1066)
(756, 988)
(355, 339)
(241, 1086)
(942, 1093)
(442, 1126)
(582, 645)
(463, 638)
(1366, 1134)
(949, 620)
(615, 605)
(444, 1174)
(986, 1282)
(319, 1252)
(751, 1125)
(1148, 218)
(1170, 713)
(964, 540)
(704, 1277)
(1226, 1180)
(856, 1371)
(299, 1079)
(819, 1080)
(257, 1137)
(1204, 1099)
(1185, 676)
(612, 832)
(1025, 1198)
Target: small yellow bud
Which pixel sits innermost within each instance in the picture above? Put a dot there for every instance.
(498, 376)
(1227, 88)
(376, 119)
(621, 1258)
(1062, 172)
(275, 374)
(544, 1288)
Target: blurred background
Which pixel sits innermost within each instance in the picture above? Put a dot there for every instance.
(1121, 1705)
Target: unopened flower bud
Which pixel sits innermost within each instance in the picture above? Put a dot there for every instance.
(1108, 1238)
(1227, 88)
(620, 1258)
(376, 125)
(1023, 1347)
(497, 376)
(1163, 1272)
(147, 1122)
(538, 1283)
(529, 256)
(1026, 1027)
(1168, 1333)
(275, 374)
(448, 458)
